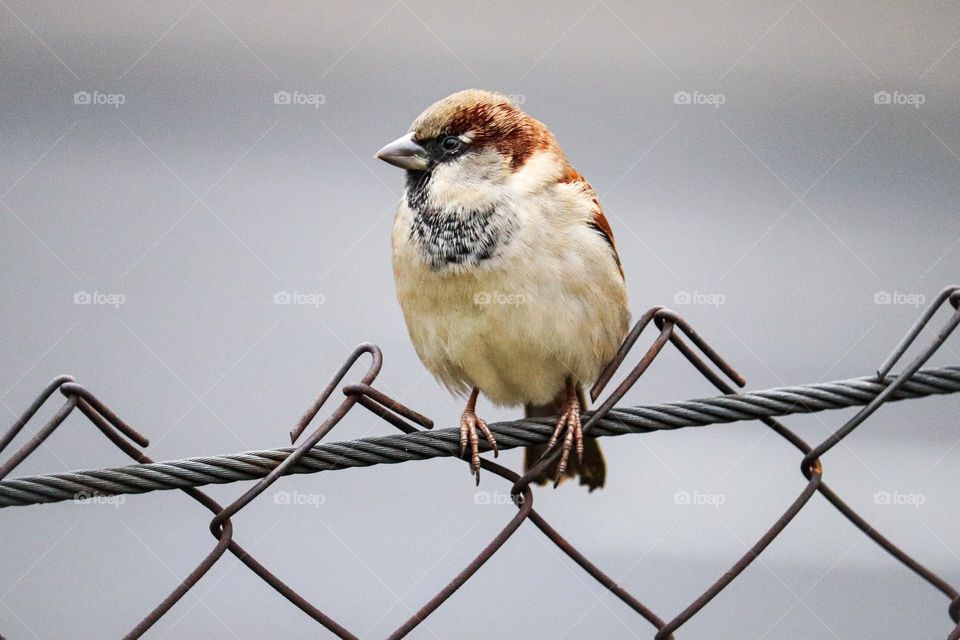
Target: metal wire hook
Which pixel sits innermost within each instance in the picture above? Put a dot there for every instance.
(73, 389)
(376, 362)
(77, 396)
(951, 293)
(32, 409)
(667, 314)
(383, 406)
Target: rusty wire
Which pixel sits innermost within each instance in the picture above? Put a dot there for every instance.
(911, 382)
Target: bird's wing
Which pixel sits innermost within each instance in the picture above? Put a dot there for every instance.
(599, 222)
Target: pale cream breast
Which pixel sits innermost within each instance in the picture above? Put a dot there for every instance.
(549, 304)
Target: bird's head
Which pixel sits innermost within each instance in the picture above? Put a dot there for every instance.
(466, 142)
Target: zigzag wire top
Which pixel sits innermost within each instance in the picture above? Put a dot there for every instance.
(199, 471)
(309, 457)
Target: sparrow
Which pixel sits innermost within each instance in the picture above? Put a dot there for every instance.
(506, 272)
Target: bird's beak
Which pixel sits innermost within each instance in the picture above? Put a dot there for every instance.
(405, 153)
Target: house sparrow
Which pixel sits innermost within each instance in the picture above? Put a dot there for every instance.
(506, 271)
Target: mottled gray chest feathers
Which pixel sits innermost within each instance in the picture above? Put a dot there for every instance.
(466, 238)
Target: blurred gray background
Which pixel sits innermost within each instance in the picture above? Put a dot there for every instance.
(793, 217)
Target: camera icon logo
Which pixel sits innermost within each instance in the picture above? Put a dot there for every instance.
(282, 297)
(81, 97)
(882, 497)
(82, 297)
(281, 497)
(682, 497)
(882, 97)
(681, 297)
(882, 297)
(681, 97)
(282, 97)
(482, 297)
(482, 497)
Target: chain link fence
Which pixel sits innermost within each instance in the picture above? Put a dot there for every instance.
(419, 441)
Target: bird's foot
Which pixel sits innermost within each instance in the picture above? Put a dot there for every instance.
(469, 424)
(569, 428)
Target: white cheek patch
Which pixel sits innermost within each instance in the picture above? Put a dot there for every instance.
(473, 181)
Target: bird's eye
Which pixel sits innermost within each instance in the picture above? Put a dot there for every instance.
(451, 144)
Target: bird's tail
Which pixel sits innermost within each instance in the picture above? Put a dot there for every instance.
(593, 469)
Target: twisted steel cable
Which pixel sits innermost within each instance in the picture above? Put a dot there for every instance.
(195, 472)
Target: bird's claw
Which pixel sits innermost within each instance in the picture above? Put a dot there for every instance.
(469, 424)
(569, 425)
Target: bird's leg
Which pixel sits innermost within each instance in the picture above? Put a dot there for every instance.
(568, 422)
(469, 423)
